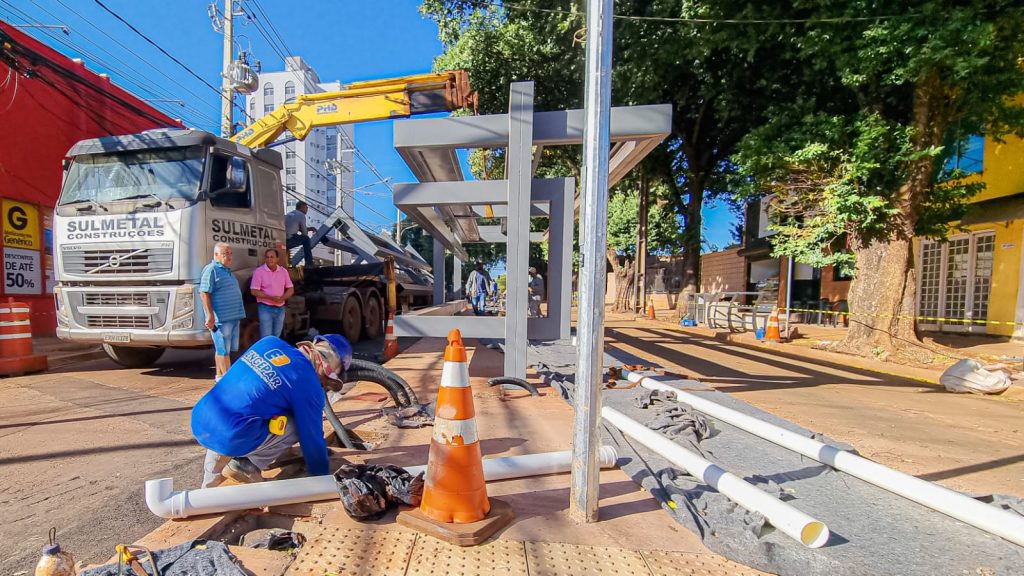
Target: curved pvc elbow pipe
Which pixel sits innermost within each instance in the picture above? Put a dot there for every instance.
(165, 502)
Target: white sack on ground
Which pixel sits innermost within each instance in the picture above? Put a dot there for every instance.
(969, 376)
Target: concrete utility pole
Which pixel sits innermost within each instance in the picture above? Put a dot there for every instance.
(227, 91)
(586, 439)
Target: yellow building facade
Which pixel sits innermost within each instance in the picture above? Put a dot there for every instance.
(977, 274)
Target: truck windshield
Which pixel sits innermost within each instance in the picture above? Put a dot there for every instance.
(168, 175)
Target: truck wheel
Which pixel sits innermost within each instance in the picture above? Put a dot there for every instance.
(351, 320)
(373, 317)
(133, 357)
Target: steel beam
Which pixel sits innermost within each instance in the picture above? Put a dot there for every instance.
(438, 326)
(518, 165)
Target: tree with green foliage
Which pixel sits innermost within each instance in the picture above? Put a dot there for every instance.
(856, 160)
(720, 81)
(663, 235)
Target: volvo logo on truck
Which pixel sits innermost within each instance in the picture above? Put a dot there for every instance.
(116, 228)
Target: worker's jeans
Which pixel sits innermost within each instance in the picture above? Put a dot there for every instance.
(301, 240)
(262, 457)
(534, 307)
(271, 320)
(479, 302)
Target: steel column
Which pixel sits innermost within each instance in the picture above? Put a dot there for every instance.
(583, 496)
(518, 164)
(457, 278)
(438, 269)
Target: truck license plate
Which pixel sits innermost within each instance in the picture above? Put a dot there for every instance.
(117, 337)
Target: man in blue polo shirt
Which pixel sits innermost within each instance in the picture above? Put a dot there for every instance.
(270, 399)
(222, 302)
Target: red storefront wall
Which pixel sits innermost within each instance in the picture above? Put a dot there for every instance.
(47, 103)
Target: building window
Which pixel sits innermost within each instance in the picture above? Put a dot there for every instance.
(968, 155)
(289, 91)
(268, 91)
(289, 171)
(955, 282)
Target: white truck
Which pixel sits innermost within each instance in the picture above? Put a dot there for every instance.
(138, 217)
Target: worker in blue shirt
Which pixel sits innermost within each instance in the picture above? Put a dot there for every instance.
(271, 398)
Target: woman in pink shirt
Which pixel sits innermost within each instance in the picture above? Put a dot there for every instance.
(272, 288)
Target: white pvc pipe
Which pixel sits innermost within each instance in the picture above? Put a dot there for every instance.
(165, 502)
(1003, 523)
(790, 521)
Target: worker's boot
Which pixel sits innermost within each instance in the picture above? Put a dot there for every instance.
(242, 470)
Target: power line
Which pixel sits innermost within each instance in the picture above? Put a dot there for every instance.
(134, 80)
(141, 58)
(166, 53)
(834, 20)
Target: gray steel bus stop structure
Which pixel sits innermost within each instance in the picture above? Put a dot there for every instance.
(447, 206)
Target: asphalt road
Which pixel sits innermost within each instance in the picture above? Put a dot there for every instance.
(78, 444)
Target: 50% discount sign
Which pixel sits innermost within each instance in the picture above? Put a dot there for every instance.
(22, 240)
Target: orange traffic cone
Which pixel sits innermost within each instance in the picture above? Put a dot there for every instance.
(771, 331)
(16, 354)
(455, 506)
(650, 311)
(454, 489)
(390, 341)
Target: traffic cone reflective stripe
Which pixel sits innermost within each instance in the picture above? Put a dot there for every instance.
(771, 331)
(454, 489)
(390, 340)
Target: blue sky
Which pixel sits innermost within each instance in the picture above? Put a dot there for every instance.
(343, 40)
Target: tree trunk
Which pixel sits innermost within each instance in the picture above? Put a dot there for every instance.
(691, 243)
(884, 286)
(883, 293)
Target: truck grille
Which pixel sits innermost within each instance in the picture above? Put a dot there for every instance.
(119, 261)
(116, 298)
(119, 322)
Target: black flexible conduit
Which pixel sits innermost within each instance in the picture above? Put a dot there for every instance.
(339, 428)
(365, 371)
(512, 381)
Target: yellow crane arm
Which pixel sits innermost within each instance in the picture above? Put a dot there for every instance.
(363, 102)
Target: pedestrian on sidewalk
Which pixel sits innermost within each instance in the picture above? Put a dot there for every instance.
(536, 290)
(272, 287)
(270, 399)
(295, 232)
(477, 286)
(222, 302)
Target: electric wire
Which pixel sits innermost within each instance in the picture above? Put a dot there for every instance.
(144, 60)
(128, 79)
(671, 19)
(29, 60)
(168, 54)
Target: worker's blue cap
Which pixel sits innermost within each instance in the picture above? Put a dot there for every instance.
(341, 347)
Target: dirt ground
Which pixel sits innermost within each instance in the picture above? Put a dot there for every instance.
(965, 442)
(77, 444)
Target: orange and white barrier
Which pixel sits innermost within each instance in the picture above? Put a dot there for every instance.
(16, 355)
(390, 340)
(454, 489)
(771, 331)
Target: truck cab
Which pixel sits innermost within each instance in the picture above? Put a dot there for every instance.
(136, 222)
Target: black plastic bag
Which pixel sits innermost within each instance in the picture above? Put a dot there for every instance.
(367, 491)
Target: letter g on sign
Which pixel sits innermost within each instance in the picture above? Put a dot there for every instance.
(17, 218)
